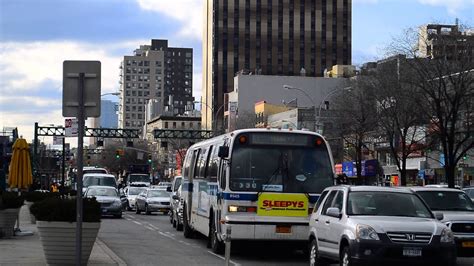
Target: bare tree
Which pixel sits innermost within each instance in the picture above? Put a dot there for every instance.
(445, 81)
(356, 118)
(399, 115)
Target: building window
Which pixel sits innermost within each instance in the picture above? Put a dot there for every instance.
(166, 124)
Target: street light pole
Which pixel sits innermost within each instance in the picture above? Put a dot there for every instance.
(212, 113)
(324, 99)
(288, 87)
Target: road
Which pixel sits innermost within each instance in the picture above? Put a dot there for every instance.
(140, 239)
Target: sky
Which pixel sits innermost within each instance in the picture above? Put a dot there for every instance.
(37, 36)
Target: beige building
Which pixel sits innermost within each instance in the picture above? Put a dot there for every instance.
(165, 150)
(270, 37)
(437, 40)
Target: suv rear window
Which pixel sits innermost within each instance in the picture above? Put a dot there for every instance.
(99, 181)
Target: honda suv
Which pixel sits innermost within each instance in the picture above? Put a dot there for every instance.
(377, 225)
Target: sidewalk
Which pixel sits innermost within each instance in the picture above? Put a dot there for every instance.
(28, 251)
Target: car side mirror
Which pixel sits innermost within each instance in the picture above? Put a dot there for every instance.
(439, 216)
(334, 212)
(175, 197)
(223, 152)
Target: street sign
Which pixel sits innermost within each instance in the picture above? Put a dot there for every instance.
(91, 71)
(70, 126)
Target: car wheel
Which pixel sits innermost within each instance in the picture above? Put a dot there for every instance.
(188, 232)
(128, 206)
(147, 212)
(314, 259)
(174, 221)
(137, 211)
(215, 244)
(171, 217)
(345, 258)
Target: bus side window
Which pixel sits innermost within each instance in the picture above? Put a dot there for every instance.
(194, 163)
(187, 164)
(213, 165)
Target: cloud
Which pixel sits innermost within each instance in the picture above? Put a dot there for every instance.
(453, 6)
(366, 1)
(188, 12)
(31, 78)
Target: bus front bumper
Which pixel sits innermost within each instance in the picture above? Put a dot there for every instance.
(266, 228)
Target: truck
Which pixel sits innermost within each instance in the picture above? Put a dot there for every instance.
(138, 175)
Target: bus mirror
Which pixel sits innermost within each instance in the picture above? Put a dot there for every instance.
(223, 152)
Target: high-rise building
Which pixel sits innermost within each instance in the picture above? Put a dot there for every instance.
(156, 72)
(270, 37)
(108, 114)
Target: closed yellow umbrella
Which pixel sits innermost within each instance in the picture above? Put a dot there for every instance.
(20, 175)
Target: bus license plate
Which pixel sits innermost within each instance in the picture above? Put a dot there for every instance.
(412, 252)
(283, 229)
(469, 244)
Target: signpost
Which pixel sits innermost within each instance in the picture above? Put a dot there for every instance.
(81, 99)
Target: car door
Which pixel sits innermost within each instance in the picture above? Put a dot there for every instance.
(335, 225)
(140, 200)
(322, 224)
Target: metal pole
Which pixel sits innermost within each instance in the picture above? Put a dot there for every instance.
(63, 177)
(35, 149)
(228, 239)
(80, 163)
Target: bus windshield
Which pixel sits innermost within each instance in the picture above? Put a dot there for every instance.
(284, 168)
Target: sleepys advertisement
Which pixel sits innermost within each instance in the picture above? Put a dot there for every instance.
(279, 204)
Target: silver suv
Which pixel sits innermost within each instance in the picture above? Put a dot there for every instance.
(378, 225)
(458, 212)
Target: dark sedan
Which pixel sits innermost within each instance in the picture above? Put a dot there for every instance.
(109, 199)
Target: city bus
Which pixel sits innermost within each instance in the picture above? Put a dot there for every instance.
(263, 183)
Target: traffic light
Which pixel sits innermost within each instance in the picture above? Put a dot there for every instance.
(149, 158)
(465, 157)
(117, 154)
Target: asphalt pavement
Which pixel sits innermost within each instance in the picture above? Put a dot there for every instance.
(141, 239)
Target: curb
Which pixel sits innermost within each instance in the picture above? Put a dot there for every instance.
(110, 253)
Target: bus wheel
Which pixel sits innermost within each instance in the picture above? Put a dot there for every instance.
(187, 231)
(215, 244)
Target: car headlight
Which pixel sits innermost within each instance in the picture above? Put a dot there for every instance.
(447, 236)
(366, 232)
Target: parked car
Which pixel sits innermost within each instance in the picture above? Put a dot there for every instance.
(440, 186)
(458, 212)
(153, 200)
(377, 225)
(131, 193)
(109, 199)
(470, 192)
(98, 180)
(176, 211)
(164, 185)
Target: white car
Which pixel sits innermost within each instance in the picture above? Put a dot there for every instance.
(458, 212)
(131, 193)
(94, 179)
(378, 225)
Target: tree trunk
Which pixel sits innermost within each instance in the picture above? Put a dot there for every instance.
(403, 172)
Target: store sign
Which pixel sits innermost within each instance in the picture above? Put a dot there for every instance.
(277, 204)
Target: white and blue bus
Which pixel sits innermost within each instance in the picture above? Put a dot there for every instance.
(261, 182)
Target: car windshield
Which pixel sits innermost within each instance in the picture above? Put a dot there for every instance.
(158, 193)
(470, 192)
(139, 178)
(382, 203)
(135, 190)
(447, 200)
(108, 192)
(94, 171)
(281, 169)
(99, 181)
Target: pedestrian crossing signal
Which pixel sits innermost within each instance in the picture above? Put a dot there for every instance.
(149, 158)
(117, 154)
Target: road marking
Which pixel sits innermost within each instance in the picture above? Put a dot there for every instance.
(149, 228)
(155, 227)
(219, 256)
(166, 235)
(137, 222)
